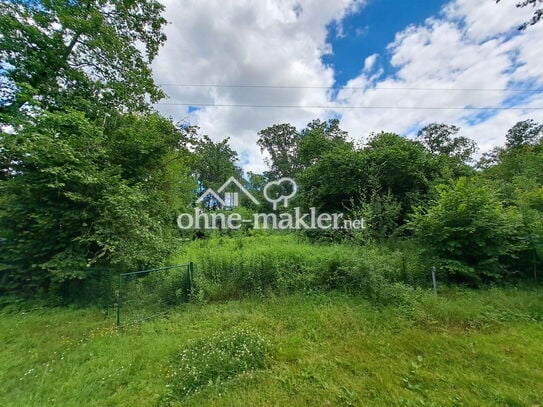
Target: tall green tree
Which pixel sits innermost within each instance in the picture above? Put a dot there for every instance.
(280, 142)
(442, 139)
(527, 132)
(77, 197)
(89, 177)
(518, 165)
(84, 54)
(215, 162)
(316, 139)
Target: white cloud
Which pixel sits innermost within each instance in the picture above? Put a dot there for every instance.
(369, 62)
(277, 43)
(471, 44)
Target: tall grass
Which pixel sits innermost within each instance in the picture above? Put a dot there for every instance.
(233, 268)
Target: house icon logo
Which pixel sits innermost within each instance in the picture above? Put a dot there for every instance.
(223, 199)
(228, 200)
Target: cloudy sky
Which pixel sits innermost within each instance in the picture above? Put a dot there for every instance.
(376, 64)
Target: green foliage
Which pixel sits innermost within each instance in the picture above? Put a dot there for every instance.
(400, 166)
(470, 231)
(263, 265)
(328, 349)
(441, 139)
(280, 141)
(216, 359)
(381, 213)
(75, 52)
(526, 132)
(88, 196)
(333, 181)
(317, 139)
(215, 162)
(90, 184)
(385, 178)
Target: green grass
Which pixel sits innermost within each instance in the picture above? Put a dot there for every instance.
(240, 267)
(464, 348)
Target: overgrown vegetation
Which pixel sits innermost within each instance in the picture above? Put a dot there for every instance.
(91, 183)
(471, 347)
(231, 268)
(92, 180)
(212, 361)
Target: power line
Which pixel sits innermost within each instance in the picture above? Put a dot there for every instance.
(332, 107)
(201, 85)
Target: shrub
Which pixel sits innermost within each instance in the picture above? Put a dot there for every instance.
(80, 196)
(217, 359)
(470, 231)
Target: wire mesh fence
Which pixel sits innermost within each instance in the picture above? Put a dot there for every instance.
(147, 294)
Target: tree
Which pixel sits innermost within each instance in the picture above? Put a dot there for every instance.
(83, 54)
(538, 14)
(84, 198)
(399, 166)
(215, 162)
(280, 141)
(91, 177)
(385, 178)
(8, 90)
(441, 139)
(332, 183)
(316, 139)
(471, 233)
(518, 165)
(255, 185)
(527, 132)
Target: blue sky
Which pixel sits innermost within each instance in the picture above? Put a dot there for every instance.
(378, 65)
(234, 68)
(369, 30)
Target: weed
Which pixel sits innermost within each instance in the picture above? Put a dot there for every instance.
(217, 359)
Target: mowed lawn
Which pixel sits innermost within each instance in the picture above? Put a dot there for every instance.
(471, 348)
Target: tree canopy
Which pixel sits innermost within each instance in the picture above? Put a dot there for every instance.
(85, 54)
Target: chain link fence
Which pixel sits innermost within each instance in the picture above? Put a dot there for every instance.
(147, 294)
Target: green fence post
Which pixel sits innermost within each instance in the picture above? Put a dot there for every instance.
(118, 318)
(434, 283)
(191, 269)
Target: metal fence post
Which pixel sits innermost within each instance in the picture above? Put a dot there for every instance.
(118, 316)
(434, 283)
(191, 270)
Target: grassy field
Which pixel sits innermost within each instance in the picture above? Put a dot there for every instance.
(464, 348)
(234, 268)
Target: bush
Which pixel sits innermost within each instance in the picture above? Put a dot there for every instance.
(470, 232)
(376, 280)
(81, 196)
(217, 359)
